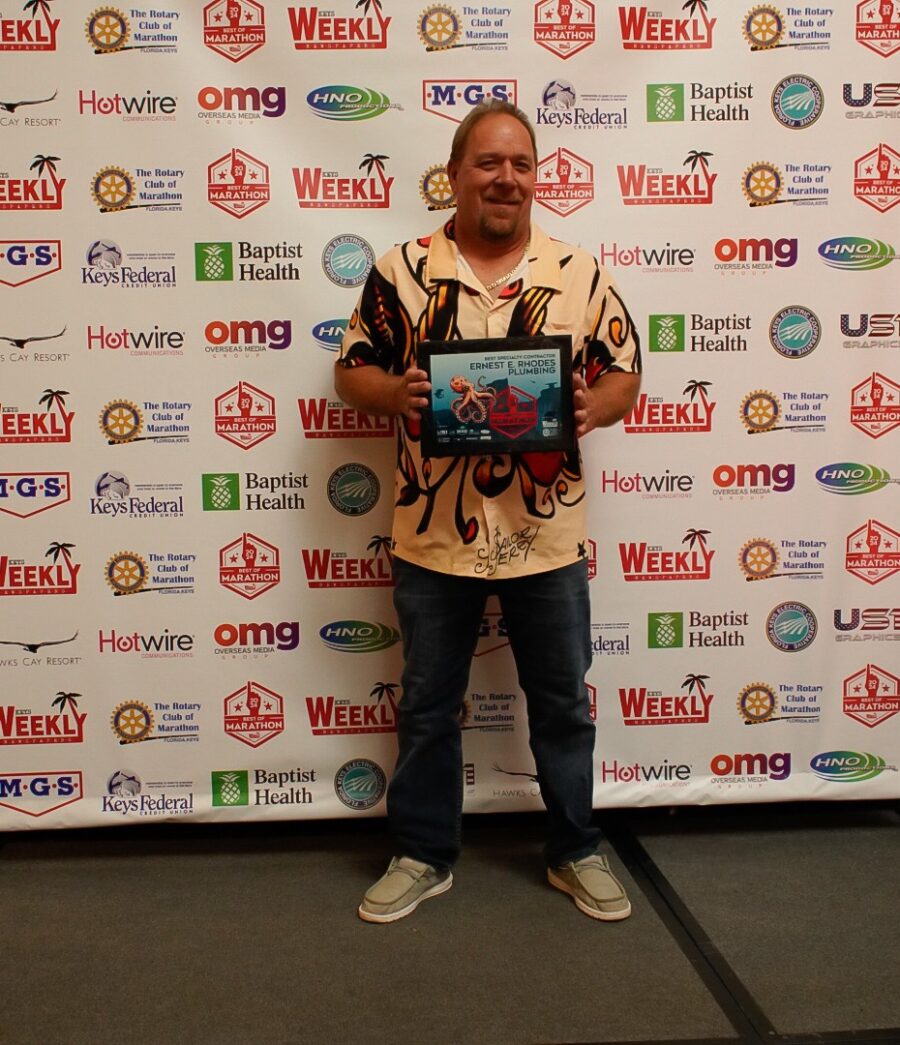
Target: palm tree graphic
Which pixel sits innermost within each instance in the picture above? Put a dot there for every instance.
(696, 537)
(695, 681)
(696, 156)
(695, 388)
(385, 689)
(56, 549)
(691, 7)
(366, 4)
(371, 160)
(33, 6)
(381, 544)
(43, 163)
(65, 700)
(54, 398)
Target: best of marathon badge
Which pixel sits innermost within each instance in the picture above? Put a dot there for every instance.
(876, 178)
(234, 28)
(873, 552)
(875, 405)
(254, 714)
(564, 27)
(238, 183)
(871, 695)
(245, 415)
(249, 566)
(564, 183)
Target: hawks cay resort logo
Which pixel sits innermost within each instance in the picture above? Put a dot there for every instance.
(644, 707)
(455, 99)
(36, 96)
(24, 494)
(124, 421)
(59, 576)
(31, 657)
(316, 187)
(253, 714)
(327, 568)
(315, 30)
(256, 262)
(19, 352)
(333, 716)
(562, 107)
(565, 28)
(238, 183)
(36, 31)
(652, 415)
(158, 189)
(44, 191)
(158, 572)
(641, 561)
(640, 185)
(116, 497)
(53, 424)
(245, 415)
(152, 31)
(644, 29)
(107, 265)
(25, 260)
(803, 27)
(234, 28)
(481, 27)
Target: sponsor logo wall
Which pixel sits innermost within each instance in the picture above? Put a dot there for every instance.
(195, 554)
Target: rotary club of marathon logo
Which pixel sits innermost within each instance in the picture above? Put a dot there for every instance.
(253, 714)
(763, 184)
(441, 28)
(109, 31)
(249, 566)
(766, 28)
(238, 183)
(115, 189)
(435, 188)
(245, 415)
(122, 421)
(873, 552)
(234, 28)
(169, 573)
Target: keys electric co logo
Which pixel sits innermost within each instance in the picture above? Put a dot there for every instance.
(360, 784)
(791, 626)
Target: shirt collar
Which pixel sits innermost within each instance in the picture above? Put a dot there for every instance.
(543, 258)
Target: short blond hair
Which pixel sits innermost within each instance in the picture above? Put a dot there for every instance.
(490, 107)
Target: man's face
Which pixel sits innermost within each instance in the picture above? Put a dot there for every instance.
(494, 180)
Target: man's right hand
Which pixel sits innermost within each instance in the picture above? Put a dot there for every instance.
(374, 391)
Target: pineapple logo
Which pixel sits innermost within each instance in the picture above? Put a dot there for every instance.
(221, 492)
(665, 630)
(666, 333)
(665, 102)
(230, 787)
(213, 262)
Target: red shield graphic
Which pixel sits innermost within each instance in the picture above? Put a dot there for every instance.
(564, 183)
(254, 714)
(873, 552)
(249, 566)
(234, 28)
(875, 405)
(564, 27)
(871, 695)
(513, 412)
(238, 183)
(245, 415)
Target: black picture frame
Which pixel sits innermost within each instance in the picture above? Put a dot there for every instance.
(498, 395)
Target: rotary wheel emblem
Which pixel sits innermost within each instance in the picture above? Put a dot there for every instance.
(107, 30)
(132, 721)
(126, 573)
(760, 411)
(112, 188)
(121, 421)
(763, 28)
(762, 184)
(758, 559)
(756, 703)
(435, 188)
(439, 27)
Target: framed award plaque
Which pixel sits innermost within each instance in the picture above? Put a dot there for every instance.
(498, 395)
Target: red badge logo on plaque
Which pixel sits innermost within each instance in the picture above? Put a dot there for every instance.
(254, 714)
(234, 28)
(238, 183)
(249, 566)
(875, 405)
(245, 415)
(871, 695)
(873, 552)
(564, 27)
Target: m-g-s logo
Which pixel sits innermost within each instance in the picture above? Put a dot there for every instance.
(848, 767)
(37, 794)
(22, 261)
(454, 99)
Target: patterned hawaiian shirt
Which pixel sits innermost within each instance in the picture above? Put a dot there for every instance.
(499, 515)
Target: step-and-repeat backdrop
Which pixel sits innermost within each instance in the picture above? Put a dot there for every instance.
(195, 565)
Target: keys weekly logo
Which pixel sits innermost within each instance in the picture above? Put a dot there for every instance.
(313, 30)
(326, 568)
(35, 33)
(53, 425)
(641, 185)
(641, 561)
(644, 30)
(59, 577)
(643, 707)
(42, 192)
(331, 716)
(324, 419)
(655, 416)
(316, 187)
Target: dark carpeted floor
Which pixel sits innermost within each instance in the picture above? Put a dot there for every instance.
(763, 923)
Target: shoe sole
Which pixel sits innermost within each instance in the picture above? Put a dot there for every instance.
(435, 890)
(591, 912)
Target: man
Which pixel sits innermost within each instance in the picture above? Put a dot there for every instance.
(468, 526)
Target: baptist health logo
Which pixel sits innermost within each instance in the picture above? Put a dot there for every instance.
(221, 492)
(214, 262)
(665, 630)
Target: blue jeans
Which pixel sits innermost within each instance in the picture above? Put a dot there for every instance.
(547, 617)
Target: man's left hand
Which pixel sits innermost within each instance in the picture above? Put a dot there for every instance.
(607, 402)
